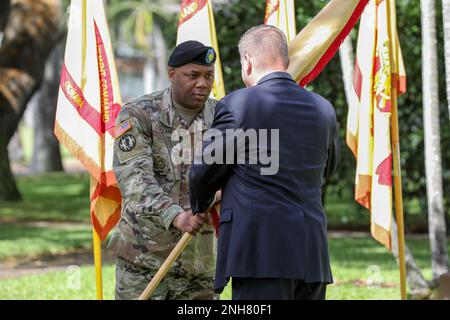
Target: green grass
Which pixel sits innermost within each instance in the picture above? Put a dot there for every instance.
(75, 283)
(355, 261)
(18, 241)
(50, 197)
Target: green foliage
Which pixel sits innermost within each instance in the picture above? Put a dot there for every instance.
(133, 21)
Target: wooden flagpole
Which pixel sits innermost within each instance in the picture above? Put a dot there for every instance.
(95, 237)
(98, 264)
(398, 193)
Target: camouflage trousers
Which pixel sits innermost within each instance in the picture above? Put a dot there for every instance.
(131, 280)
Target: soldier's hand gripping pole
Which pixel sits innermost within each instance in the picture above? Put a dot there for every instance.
(181, 245)
(184, 241)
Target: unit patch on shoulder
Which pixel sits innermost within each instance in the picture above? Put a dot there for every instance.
(121, 128)
(127, 143)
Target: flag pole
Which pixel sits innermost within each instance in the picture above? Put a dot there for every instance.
(395, 138)
(95, 237)
(219, 88)
(98, 264)
(398, 195)
(286, 16)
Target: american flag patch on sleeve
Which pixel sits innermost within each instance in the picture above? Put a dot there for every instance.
(123, 127)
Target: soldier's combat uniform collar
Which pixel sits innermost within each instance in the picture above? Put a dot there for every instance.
(187, 114)
(170, 118)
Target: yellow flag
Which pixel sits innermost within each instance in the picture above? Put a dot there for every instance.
(88, 103)
(317, 42)
(196, 22)
(378, 71)
(281, 14)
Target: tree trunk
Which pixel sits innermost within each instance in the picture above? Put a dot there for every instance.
(446, 24)
(8, 189)
(5, 7)
(347, 62)
(15, 150)
(46, 153)
(31, 31)
(433, 167)
(418, 286)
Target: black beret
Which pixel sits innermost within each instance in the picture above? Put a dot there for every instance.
(192, 52)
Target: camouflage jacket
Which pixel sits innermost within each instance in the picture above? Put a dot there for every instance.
(154, 185)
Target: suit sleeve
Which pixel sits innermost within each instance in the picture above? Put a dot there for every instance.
(334, 150)
(133, 168)
(206, 176)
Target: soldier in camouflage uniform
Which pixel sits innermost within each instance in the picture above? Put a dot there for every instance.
(154, 184)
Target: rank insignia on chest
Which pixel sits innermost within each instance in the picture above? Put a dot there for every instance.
(159, 163)
(121, 128)
(127, 143)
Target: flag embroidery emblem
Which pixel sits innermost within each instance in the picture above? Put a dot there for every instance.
(123, 127)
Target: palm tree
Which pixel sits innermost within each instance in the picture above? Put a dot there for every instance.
(347, 60)
(446, 24)
(140, 29)
(433, 166)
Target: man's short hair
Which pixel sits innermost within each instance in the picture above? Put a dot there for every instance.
(265, 43)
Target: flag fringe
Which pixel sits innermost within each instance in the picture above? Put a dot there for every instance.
(108, 178)
(381, 235)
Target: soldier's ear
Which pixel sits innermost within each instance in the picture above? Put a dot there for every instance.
(171, 74)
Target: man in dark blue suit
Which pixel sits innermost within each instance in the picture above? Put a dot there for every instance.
(273, 232)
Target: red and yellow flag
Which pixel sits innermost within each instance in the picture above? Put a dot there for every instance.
(88, 103)
(281, 14)
(197, 23)
(378, 71)
(318, 42)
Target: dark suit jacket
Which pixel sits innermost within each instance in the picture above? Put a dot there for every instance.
(272, 226)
